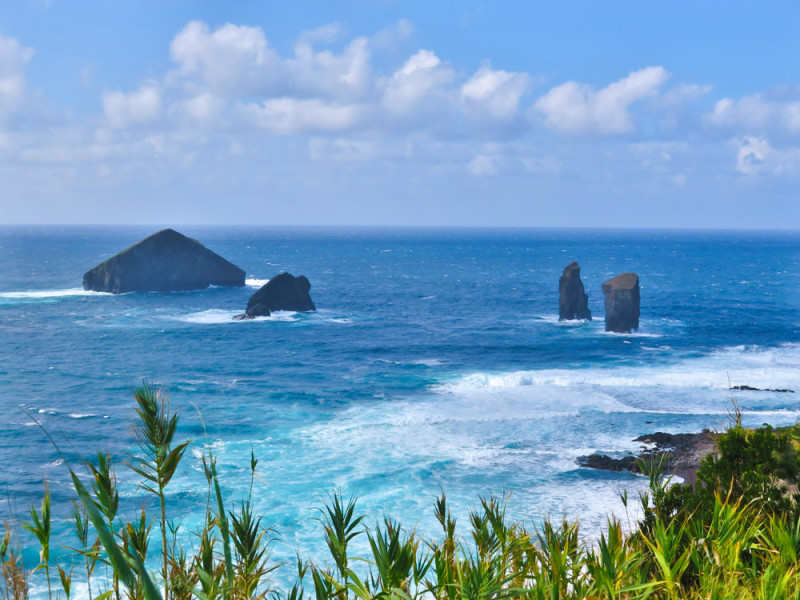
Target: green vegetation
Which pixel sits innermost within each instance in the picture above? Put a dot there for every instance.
(735, 534)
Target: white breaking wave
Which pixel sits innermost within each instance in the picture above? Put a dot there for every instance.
(256, 282)
(757, 367)
(638, 334)
(210, 317)
(38, 294)
(215, 316)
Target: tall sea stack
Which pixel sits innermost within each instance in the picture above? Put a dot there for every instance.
(622, 303)
(573, 303)
(166, 261)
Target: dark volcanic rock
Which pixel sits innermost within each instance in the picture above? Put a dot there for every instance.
(606, 463)
(682, 453)
(573, 303)
(747, 388)
(282, 292)
(166, 261)
(622, 303)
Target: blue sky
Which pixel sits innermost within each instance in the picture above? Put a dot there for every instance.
(541, 114)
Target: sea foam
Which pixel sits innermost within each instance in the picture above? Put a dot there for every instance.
(47, 294)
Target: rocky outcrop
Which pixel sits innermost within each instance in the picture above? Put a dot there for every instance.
(747, 388)
(681, 454)
(622, 303)
(573, 303)
(166, 261)
(282, 292)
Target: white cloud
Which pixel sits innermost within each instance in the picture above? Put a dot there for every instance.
(577, 108)
(755, 156)
(494, 94)
(751, 154)
(422, 79)
(234, 59)
(237, 62)
(757, 114)
(291, 115)
(135, 108)
(347, 75)
(204, 109)
(13, 58)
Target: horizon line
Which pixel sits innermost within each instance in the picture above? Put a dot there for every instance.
(408, 227)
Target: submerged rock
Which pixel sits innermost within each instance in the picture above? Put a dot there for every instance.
(166, 261)
(573, 303)
(622, 303)
(282, 292)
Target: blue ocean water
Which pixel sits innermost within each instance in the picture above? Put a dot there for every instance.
(435, 362)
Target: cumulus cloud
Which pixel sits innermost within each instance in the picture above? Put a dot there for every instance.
(346, 75)
(294, 115)
(232, 60)
(237, 61)
(13, 59)
(755, 156)
(135, 108)
(204, 109)
(494, 93)
(578, 108)
(418, 85)
(757, 114)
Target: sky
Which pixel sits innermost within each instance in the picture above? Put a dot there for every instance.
(584, 113)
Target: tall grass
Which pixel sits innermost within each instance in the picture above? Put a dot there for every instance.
(736, 534)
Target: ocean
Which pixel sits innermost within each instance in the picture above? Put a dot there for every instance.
(434, 363)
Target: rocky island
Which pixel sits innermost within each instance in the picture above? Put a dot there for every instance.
(166, 261)
(573, 302)
(282, 292)
(622, 303)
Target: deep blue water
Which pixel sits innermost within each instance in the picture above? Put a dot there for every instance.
(435, 362)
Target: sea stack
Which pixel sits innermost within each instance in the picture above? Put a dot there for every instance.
(573, 303)
(622, 303)
(282, 292)
(166, 261)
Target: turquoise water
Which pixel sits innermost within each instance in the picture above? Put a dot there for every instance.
(435, 362)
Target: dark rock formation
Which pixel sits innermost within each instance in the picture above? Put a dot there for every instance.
(573, 303)
(606, 463)
(282, 292)
(622, 303)
(682, 453)
(166, 261)
(747, 388)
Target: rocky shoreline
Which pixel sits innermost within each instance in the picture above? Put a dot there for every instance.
(683, 452)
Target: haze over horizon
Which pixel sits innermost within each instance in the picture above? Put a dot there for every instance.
(356, 113)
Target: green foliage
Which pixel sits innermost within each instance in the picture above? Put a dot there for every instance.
(757, 466)
(736, 534)
(154, 432)
(340, 522)
(40, 527)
